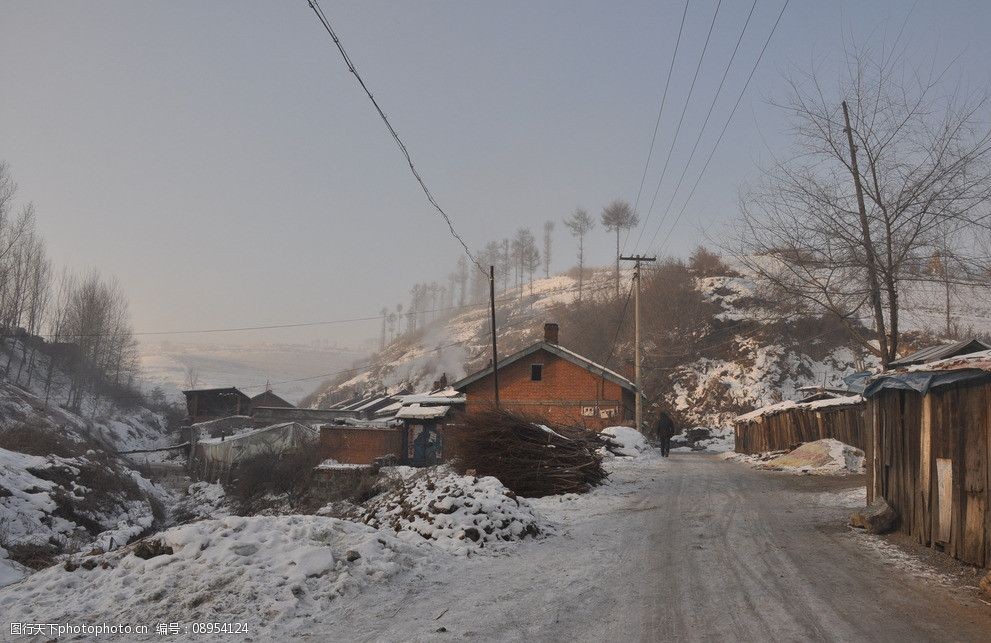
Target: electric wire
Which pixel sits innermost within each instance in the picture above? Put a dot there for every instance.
(402, 146)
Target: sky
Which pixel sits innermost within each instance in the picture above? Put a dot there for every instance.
(219, 159)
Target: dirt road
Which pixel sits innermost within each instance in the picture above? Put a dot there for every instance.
(687, 549)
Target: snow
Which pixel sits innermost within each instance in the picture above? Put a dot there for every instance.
(202, 500)
(633, 442)
(418, 412)
(279, 573)
(460, 514)
(845, 400)
(10, 571)
(333, 465)
(821, 457)
(33, 507)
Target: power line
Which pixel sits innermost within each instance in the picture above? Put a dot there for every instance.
(402, 146)
(705, 122)
(677, 131)
(619, 326)
(660, 110)
(725, 127)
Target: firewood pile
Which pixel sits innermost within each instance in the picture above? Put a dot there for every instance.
(530, 457)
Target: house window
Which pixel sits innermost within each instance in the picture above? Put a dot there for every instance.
(536, 372)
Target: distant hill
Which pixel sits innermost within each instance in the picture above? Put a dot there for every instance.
(166, 364)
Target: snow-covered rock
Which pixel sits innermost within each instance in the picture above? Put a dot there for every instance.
(822, 457)
(458, 513)
(632, 442)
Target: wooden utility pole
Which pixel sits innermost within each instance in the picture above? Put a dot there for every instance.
(495, 353)
(637, 260)
(865, 231)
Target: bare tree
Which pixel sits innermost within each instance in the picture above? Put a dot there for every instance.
(192, 377)
(843, 223)
(580, 224)
(616, 217)
(548, 238)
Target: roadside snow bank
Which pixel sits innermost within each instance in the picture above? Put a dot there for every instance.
(276, 573)
(708, 439)
(458, 513)
(632, 442)
(822, 457)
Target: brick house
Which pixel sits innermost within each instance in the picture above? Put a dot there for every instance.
(549, 381)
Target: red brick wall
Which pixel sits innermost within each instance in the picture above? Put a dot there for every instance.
(559, 396)
(359, 445)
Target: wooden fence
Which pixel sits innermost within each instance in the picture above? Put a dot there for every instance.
(929, 459)
(789, 427)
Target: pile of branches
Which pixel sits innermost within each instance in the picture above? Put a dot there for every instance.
(529, 456)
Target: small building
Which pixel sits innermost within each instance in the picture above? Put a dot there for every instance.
(548, 381)
(266, 415)
(940, 352)
(785, 425)
(270, 399)
(413, 432)
(216, 457)
(213, 403)
(929, 452)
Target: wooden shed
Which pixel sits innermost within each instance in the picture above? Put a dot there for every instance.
(787, 424)
(928, 457)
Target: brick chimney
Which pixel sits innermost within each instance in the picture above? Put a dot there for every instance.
(550, 333)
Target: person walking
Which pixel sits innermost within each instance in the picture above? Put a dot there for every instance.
(665, 430)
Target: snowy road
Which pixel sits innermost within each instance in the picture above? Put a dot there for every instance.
(700, 549)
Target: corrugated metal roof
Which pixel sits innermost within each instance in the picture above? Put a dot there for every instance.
(942, 351)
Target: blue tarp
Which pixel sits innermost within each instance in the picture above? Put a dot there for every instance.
(923, 381)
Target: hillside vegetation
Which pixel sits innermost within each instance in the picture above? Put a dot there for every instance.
(714, 344)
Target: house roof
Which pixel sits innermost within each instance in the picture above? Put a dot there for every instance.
(419, 412)
(787, 405)
(942, 351)
(924, 377)
(553, 349)
(270, 399)
(229, 389)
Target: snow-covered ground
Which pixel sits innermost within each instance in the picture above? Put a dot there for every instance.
(290, 575)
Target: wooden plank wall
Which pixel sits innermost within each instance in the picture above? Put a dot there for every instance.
(913, 434)
(788, 429)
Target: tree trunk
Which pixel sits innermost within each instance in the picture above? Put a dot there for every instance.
(871, 260)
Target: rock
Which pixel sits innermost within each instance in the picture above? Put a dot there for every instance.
(986, 584)
(876, 518)
(150, 548)
(352, 555)
(89, 564)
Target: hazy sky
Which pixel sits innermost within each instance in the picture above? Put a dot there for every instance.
(221, 161)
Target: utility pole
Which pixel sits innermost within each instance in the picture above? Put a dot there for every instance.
(495, 354)
(637, 260)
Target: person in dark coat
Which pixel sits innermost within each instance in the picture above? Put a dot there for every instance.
(665, 430)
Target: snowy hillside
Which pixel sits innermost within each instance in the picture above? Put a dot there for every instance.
(62, 486)
(743, 369)
(460, 344)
